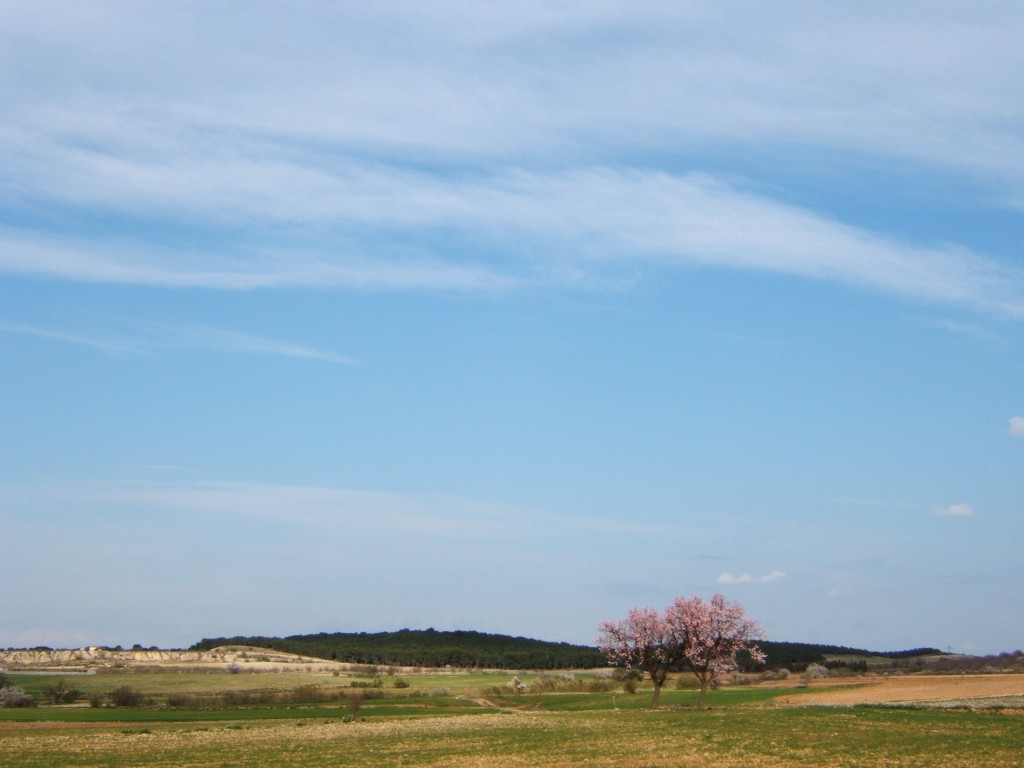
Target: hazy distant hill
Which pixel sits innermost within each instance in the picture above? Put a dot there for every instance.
(433, 648)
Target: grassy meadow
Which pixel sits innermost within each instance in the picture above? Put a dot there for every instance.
(469, 720)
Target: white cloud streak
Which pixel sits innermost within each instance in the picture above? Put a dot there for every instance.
(1017, 426)
(497, 142)
(746, 578)
(159, 339)
(919, 81)
(84, 340)
(955, 510)
(225, 340)
(349, 510)
(606, 219)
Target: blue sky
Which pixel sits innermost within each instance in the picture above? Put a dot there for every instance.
(355, 317)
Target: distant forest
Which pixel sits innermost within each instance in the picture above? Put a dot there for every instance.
(797, 656)
(433, 648)
(426, 648)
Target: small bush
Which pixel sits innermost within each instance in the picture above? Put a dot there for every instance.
(400, 683)
(126, 696)
(19, 701)
(355, 703)
(816, 672)
(61, 694)
(7, 690)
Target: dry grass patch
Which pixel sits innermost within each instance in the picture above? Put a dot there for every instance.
(916, 688)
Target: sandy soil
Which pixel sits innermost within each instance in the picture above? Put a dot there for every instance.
(915, 688)
(94, 657)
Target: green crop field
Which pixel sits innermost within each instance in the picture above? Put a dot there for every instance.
(475, 723)
(734, 736)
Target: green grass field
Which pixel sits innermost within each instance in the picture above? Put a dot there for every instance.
(475, 726)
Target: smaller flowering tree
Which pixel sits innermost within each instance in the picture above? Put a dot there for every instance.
(643, 641)
(711, 634)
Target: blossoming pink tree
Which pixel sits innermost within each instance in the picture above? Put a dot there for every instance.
(711, 634)
(702, 637)
(644, 641)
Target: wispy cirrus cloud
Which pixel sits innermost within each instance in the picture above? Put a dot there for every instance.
(477, 155)
(746, 578)
(527, 228)
(495, 82)
(111, 346)
(1017, 426)
(300, 265)
(162, 338)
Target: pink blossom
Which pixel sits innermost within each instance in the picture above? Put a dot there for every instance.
(702, 637)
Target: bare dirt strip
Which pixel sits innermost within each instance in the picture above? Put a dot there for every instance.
(910, 689)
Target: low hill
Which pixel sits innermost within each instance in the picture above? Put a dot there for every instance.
(796, 656)
(426, 648)
(433, 648)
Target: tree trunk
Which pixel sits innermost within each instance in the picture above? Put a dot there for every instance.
(657, 694)
(704, 680)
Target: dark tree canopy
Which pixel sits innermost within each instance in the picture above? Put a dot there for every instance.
(426, 648)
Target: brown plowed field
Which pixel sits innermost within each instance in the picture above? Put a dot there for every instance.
(915, 688)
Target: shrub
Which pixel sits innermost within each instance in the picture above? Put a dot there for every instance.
(7, 690)
(400, 683)
(14, 697)
(126, 696)
(816, 672)
(61, 694)
(355, 703)
(629, 678)
(19, 701)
